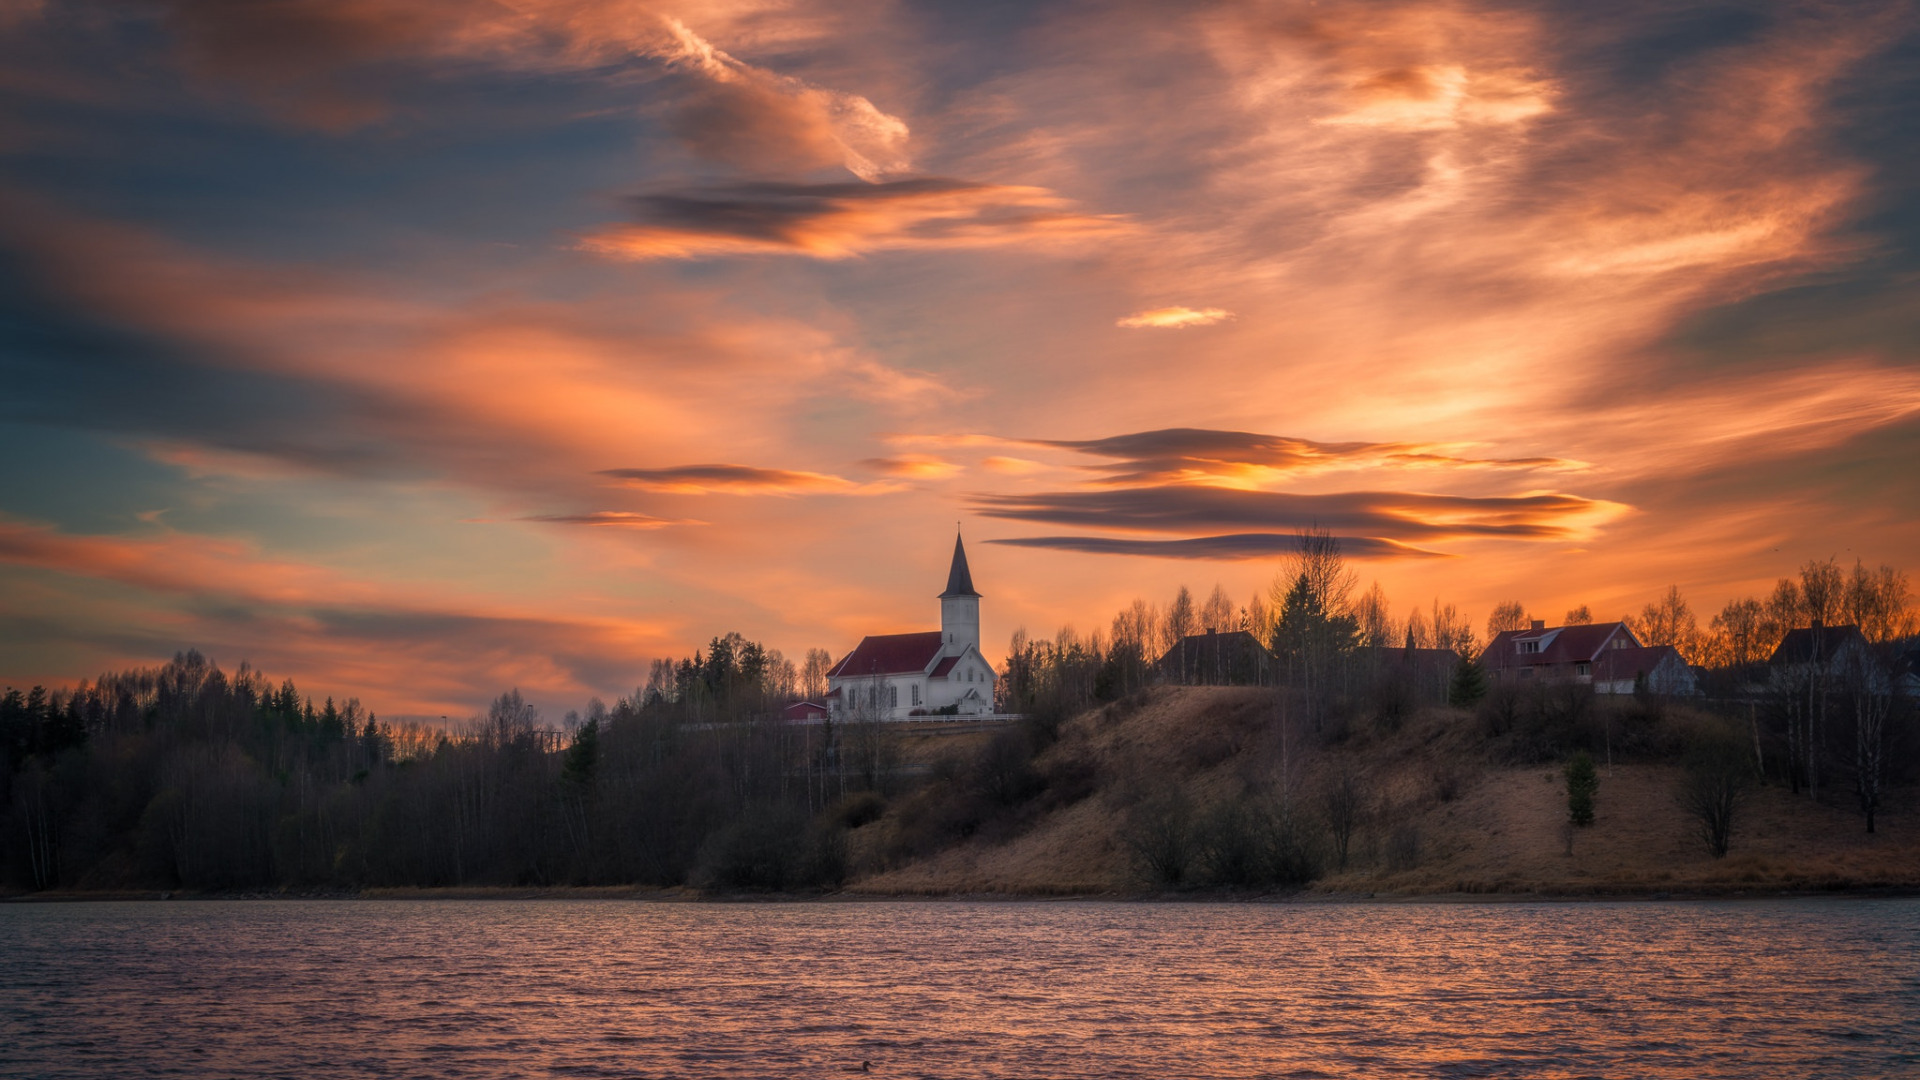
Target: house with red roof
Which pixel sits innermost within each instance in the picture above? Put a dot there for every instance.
(904, 676)
(804, 712)
(1604, 655)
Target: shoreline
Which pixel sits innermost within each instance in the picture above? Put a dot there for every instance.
(644, 895)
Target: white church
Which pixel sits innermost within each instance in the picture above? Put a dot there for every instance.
(907, 676)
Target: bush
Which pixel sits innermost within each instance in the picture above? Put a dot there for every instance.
(1244, 842)
(1004, 772)
(770, 848)
(1159, 833)
(858, 809)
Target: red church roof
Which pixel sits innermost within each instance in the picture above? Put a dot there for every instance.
(890, 654)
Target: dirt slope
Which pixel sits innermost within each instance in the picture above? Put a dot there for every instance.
(1446, 814)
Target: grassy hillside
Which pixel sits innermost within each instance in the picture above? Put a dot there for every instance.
(1448, 803)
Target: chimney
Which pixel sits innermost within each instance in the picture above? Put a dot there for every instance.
(1539, 624)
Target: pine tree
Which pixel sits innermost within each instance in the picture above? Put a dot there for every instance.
(1469, 684)
(1582, 783)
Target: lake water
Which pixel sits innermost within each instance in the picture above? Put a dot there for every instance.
(627, 989)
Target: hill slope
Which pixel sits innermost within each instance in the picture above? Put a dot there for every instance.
(1445, 809)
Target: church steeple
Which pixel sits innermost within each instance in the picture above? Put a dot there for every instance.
(959, 578)
(959, 606)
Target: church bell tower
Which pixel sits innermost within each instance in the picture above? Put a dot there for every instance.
(959, 606)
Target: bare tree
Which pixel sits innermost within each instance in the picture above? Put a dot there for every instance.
(1450, 629)
(1259, 618)
(1580, 616)
(1510, 615)
(1740, 636)
(1870, 689)
(1180, 616)
(1217, 613)
(1823, 590)
(813, 674)
(1712, 790)
(1375, 619)
(1879, 603)
(1419, 635)
(1344, 802)
(1668, 621)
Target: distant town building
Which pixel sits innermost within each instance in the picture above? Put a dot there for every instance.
(1818, 647)
(804, 712)
(1428, 672)
(902, 676)
(1604, 655)
(1235, 658)
(1659, 669)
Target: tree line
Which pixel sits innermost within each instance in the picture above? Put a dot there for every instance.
(185, 775)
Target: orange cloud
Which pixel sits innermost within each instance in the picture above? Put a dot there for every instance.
(1174, 318)
(613, 519)
(840, 221)
(400, 646)
(1012, 466)
(733, 480)
(1247, 459)
(915, 466)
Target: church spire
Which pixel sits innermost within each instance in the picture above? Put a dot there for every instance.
(959, 578)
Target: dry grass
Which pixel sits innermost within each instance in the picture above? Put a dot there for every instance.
(1446, 818)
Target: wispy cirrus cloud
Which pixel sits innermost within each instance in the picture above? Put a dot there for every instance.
(1236, 547)
(1407, 516)
(1173, 318)
(915, 466)
(1202, 455)
(336, 64)
(723, 479)
(841, 221)
(611, 519)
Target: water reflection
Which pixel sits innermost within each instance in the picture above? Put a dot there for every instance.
(589, 989)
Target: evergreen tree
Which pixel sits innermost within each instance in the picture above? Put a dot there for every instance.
(1583, 782)
(582, 756)
(1469, 684)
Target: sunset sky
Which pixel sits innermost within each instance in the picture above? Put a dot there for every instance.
(419, 350)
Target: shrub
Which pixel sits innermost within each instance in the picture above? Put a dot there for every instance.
(858, 809)
(1159, 833)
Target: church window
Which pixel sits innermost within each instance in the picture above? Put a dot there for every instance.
(916, 693)
(893, 697)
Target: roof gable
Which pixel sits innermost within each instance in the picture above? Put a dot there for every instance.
(1558, 644)
(1808, 644)
(1616, 665)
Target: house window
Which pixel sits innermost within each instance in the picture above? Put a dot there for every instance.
(916, 693)
(1583, 669)
(1529, 646)
(893, 696)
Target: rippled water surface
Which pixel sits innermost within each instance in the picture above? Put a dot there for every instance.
(588, 988)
